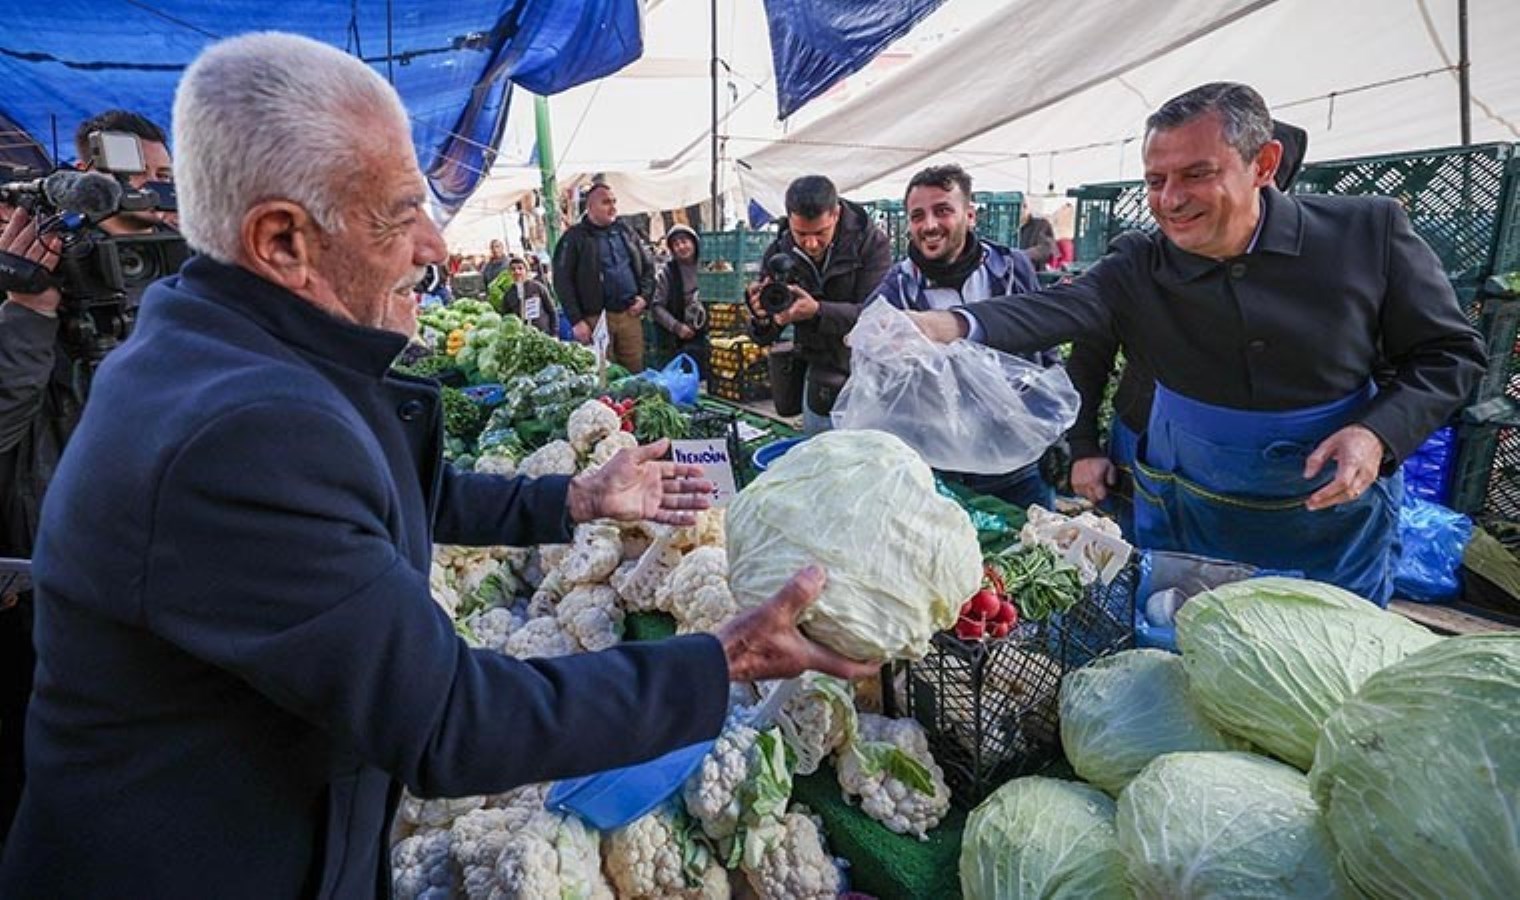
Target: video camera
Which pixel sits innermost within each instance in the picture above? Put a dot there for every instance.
(101, 277)
(780, 272)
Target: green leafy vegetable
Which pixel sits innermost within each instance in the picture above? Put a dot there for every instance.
(1040, 582)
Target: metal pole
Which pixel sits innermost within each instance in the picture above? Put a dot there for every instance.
(1464, 91)
(717, 201)
(550, 186)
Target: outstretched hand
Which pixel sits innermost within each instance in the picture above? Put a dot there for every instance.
(765, 643)
(1358, 456)
(637, 485)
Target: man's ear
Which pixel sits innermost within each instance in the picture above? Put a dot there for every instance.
(1266, 162)
(278, 240)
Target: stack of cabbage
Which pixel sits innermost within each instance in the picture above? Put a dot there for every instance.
(1411, 744)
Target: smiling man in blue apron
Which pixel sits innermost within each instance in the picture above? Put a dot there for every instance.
(1265, 318)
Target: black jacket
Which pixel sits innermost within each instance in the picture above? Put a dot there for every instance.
(239, 660)
(578, 269)
(857, 262)
(39, 406)
(1333, 287)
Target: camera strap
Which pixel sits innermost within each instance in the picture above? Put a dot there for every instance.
(22, 276)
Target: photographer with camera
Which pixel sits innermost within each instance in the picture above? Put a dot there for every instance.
(53, 331)
(816, 276)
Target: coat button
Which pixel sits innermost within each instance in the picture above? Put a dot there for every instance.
(411, 410)
(1237, 270)
(1257, 346)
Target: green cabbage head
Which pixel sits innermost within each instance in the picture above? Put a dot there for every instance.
(1418, 774)
(1042, 837)
(900, 558)
(1237, 825)
(1269, 659)
(1125, 710)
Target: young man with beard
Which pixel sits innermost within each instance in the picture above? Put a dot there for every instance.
(948, 266)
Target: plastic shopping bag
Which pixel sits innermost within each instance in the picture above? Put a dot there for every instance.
(964, 407)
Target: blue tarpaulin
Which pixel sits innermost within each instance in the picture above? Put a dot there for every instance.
(814, 43)
(453, 63)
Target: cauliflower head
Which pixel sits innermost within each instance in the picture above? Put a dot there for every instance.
(539, 637)
(553, 458)
(696, 591)
(639, 586)
(478, 839)
(595, 553)
(590, 614)
(796, 866)
(661, 856)
(608, 447)
(423, 868)
(817, 720)
(590, 423)
(422, 813)
(712, 793)
(889, 767)
(550, 856)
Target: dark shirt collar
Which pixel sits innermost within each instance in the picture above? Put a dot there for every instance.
(1279, 230)
(290, 318)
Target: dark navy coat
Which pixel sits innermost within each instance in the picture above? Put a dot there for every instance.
(239, 662)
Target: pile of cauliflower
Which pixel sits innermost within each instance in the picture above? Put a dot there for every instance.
(733, 828)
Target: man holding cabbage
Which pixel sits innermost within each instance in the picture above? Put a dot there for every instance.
(1264, 317)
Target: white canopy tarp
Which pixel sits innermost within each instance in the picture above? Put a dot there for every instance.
(1026, 95)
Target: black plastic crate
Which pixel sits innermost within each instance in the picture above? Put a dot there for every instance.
(990, 708)
(1501, 329)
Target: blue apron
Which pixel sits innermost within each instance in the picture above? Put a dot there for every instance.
(1229, 484)
(1120, 502)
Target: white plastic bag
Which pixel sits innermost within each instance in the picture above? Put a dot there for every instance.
(964, 407)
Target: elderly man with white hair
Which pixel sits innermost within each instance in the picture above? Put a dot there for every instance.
(239, 661)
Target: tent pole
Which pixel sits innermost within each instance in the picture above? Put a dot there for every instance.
(1464, 91)
(717, 201)
(550, 186)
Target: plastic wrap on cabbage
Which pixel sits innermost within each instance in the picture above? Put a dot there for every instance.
(1125, 710)
(1237, 825)
(1269, 659)
(1418, 773)
(1041, 837)
(900, 558)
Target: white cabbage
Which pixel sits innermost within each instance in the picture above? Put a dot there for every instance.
(1269, 659)
(1042, 837)
(901, 559)
(1237, 825)
(1418, 773)
(1125, 710)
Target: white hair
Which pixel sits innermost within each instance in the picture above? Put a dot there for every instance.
(270, 116)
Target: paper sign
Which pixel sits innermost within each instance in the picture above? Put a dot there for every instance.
(717, 466)
(531, 309)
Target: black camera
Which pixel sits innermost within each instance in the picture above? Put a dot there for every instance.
(101, 277)
(780, 273)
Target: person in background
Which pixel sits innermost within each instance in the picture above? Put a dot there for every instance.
(43, 388)
(1037, 238)
(948, 265)
(837, 256)
(677, 308)
(528, 300)
(240, 662)
(1102, 471)
(495, 264)
(1266, 320)
(602, 269)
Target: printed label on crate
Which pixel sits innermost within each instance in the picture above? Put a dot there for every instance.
(717, 466)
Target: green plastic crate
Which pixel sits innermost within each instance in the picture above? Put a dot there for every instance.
(1463, 201)
(721, 287)
(1105, 211)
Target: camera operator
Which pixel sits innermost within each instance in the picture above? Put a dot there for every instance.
(42, 392)
(816, 275)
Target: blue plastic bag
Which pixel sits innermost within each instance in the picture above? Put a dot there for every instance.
(1433, 539)
(680, 378)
